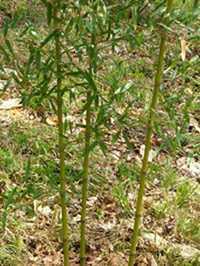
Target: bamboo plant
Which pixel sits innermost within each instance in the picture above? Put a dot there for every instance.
(85, 180)
(150, 122)
(83, 71)
(58, 61)
(89, 99)
(92, 31)
(97, 28)
(56, 16)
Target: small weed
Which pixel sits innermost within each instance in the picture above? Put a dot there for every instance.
(9, 163)
(169, 178)
(174, 258)
(10, 197)
(8, 255)
(155, 170)
(126, 171)
(183, 194)
(189, 228)
(127, 175)
(12, 252)
(120, 193)
(160, 209)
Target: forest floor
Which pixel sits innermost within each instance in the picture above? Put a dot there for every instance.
(29, 201)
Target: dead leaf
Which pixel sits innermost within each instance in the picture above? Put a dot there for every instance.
(183, 49)
(152, 153)
(194, 124)
(7, 73)
(91, 201)
(194, 168)
(10, 104)
(46, 211)
(142, 260)
(5, 121)
(116, 260)
(185, 251)
(156, 239)
(182, 163)
(52, 120)
(152, 260)
(2, 84)
(188, 252)
(108, 226)
(189, 165)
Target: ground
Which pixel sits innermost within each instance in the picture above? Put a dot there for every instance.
(30, 200)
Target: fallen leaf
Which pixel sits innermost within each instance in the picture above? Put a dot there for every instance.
(194, 124)
(2, 84)
(108, 226)
(188, 252)
(152, 261)
(91, 201)
(10, 104)
(189, 165)
(116, 260)
(194, 168)
(156, 239)
(46, 211)
(52, 120)
(5, 121)
(185, 251)
(152, 153)
(7, 73)
(182, 163)
(183, 49)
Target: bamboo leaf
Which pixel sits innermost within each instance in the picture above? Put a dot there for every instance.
(48, 38)
(5, 28)
(49, 13)
(124, 88)
(9, 46)
(5, 53)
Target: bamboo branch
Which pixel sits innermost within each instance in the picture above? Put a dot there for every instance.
(143, 173)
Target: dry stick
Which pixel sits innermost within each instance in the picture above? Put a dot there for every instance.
(58, 59)
(157, 83)
(85, 179)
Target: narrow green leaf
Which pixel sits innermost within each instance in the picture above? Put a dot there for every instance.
(9, 46)
(48, 38)
(49, 13)
(5, 53)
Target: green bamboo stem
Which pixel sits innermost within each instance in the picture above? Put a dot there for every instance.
(195, 4)
(143, 173)
(85, 180)
(62, 191)
(92, 70)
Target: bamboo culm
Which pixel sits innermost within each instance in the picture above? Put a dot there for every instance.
(152, 110)
(85, 180)
(92, 70)
(62, 191)
(195, 4)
